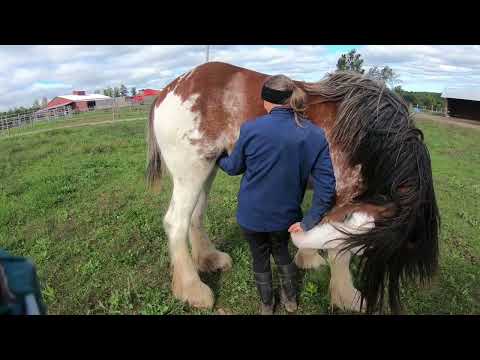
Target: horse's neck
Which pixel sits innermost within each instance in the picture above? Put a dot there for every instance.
(322, 114)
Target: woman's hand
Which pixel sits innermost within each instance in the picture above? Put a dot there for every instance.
(295, 228)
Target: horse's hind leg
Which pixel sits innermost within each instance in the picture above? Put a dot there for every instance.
(342, 292)
(204, 254)
(186, 284)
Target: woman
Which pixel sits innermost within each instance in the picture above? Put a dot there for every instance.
(278, 153)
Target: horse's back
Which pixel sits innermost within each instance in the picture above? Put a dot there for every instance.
(206, 107)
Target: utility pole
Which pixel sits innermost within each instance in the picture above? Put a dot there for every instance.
(208, 52)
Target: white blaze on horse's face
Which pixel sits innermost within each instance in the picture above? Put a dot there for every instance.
(327, 236)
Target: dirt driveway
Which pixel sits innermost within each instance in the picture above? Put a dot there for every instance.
(472, 124)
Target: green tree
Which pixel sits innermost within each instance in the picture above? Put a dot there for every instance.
(422, 99)
(116, 91)
(36, 104)
(386, 74)
(375, 73)
(351, 61)
(133, 91)
(108, 92)
(123, 90)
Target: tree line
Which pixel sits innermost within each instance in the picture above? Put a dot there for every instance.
(117, 91)
(37, 105)
(421, 98)
(353, 61)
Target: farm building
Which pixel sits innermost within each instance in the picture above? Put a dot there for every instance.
(462, 103)
(145, 96)
(79, 101)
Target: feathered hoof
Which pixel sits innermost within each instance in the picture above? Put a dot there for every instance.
(347, 303)
(309, 259)
(214, 261)
(195, 293)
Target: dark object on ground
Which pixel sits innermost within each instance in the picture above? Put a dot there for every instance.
(19, 287)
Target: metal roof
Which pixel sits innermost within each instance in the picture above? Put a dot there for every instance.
(89, 97)
(462, 93)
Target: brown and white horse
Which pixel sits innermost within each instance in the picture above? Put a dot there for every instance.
(385, 209)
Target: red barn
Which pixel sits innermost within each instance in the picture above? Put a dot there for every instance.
(145, 96)
(79, 101)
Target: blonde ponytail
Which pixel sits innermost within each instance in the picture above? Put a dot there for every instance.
(297, 101)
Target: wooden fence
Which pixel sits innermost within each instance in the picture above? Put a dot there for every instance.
(117, 108)
(29, 119)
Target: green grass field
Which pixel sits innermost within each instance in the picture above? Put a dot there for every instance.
(74, 200)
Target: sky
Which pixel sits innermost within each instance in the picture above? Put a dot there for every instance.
(28, 73)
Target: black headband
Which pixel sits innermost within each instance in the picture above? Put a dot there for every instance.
(275, 96)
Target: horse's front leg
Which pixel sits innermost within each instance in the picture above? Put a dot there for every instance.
(342, 292)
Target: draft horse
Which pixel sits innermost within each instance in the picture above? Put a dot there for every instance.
(385, 210)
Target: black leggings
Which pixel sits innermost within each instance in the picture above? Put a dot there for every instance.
(264, 244)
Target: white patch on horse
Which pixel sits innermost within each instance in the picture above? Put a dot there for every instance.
(348, 179)
(176, 127)
(183, 132)
(326, 236)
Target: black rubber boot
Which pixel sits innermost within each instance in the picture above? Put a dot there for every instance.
(288, 286)
(265, 289)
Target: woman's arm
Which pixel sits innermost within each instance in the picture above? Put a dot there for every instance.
(235, 163)
(323, 189)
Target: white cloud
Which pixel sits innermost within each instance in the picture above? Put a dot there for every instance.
(31, 72)
(46, 86)
(426, 67)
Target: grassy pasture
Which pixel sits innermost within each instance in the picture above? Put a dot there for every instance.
(74, 200)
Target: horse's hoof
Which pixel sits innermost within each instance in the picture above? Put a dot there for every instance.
(214, 261)
(309, 259)
(349, 303)
(348, 309)
(195, 293)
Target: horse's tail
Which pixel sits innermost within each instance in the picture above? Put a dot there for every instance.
(374, 127)
(154, 156)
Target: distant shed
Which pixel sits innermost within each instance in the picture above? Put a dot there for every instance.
(462, 102)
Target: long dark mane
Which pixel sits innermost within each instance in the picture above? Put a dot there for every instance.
(374, 127)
